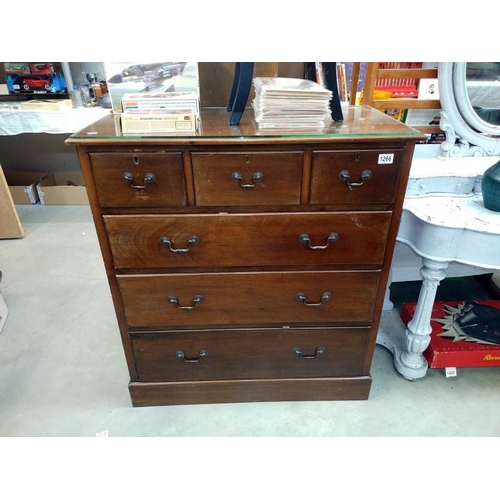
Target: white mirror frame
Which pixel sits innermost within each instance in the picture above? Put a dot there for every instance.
(466, 133)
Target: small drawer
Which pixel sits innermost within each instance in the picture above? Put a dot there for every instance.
(271, 298)
(234, 240)
(354, 176)
(237, 179)
(139, 179)
(251, 354)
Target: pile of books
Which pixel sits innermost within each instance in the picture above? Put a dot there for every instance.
(290, 103)
(163, 112)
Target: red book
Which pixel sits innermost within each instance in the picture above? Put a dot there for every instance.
(465, 334)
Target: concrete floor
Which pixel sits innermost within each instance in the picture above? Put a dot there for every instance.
(63, 372)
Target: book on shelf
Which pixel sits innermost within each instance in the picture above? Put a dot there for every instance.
(399, 87)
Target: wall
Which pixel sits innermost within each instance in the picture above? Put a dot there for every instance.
(216, 78)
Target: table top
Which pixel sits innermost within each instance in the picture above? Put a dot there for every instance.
(457, 212)
(63, 121)
(360, 122)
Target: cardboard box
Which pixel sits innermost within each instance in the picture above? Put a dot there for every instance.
(135, 77)
(40, 78)
(157, 121)
(464, 334)
(22, 186)
(8, 106)
(46, 105)
(66, 188)
(174, 101)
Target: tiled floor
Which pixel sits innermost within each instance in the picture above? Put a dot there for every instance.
(63, 373)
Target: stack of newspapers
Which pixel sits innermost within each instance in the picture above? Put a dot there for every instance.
(290, 103)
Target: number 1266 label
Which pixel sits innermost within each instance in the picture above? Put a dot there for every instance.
(387, 158)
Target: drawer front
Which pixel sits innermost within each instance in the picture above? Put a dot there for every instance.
(236, 179)
(276, 353)
(279, 239)
(336, 176)
(283, 298)
(139, 179)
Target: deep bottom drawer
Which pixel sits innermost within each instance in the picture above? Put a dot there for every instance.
(251, 354)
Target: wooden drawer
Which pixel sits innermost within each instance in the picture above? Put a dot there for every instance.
(250, 354)
(247, 239)
(165, 188)
(329, 168)
(221, 299)
(236, 179)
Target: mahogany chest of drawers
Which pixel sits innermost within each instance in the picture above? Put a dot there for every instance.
(248, 266)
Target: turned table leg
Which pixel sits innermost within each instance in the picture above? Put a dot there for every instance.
(419, 328)
(407, 345)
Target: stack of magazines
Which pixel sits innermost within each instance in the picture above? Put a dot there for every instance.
(286, 103)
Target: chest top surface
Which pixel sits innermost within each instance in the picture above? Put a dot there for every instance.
(360, 123)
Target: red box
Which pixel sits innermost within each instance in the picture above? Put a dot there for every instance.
(465, 334)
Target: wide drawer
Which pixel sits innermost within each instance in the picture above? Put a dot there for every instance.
(357, 176)
(251, 354)
(236, 179)
(174, 241)
(138, 179)
(284, 298)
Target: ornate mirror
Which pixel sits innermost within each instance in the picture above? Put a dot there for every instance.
(470, 100)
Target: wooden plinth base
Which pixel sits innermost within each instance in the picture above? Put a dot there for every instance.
(238, 391)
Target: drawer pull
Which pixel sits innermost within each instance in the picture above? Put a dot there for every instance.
(192, 242)
(324, 296)
(345, 176)
(201, 354)
(148, 179)
(304, 238)
(298, 352)
(197, 299)
(237, 177)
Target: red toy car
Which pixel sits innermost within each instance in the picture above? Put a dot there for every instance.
(36, 82)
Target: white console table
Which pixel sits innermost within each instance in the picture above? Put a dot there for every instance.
(444, 222)
(66, 121)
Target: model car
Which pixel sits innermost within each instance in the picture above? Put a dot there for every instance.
(36, 82)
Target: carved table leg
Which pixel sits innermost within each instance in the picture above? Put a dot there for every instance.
(408, 345)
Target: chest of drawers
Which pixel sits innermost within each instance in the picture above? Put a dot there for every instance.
(248, 266)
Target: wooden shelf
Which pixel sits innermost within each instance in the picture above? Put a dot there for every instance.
(374, 73)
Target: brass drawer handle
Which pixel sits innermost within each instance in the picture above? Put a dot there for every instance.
(345, 176)
(332, 238)
(298, 352)
(324, 296)
(148, 179)
(237, 177)
(201, 354)
(197, 299)
(192, 242)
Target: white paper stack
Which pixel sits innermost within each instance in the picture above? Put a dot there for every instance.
(289, 103)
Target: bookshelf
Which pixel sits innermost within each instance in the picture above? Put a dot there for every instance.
(376, 74)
